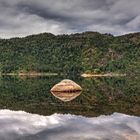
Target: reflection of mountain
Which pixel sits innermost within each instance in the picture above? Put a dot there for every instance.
(66, 96)
(99, 95)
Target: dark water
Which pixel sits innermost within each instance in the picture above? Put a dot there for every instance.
(99, 95)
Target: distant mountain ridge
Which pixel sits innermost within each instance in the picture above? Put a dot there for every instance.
(87, 52)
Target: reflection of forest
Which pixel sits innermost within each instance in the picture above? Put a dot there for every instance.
(100, 96)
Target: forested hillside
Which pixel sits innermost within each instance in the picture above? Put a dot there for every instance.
(90, 52)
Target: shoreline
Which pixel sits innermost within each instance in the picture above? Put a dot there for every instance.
(85, 75)
(29, 74)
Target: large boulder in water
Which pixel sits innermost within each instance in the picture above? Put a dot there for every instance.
(66, 86)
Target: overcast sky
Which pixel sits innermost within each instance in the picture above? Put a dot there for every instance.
(24, 17)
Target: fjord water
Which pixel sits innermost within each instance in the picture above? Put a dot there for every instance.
(107, 108)
(19, 125)
(100, 96)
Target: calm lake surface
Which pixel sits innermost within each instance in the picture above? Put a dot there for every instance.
(100, 96)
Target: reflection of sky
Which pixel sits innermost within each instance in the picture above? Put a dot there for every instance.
(18, 125)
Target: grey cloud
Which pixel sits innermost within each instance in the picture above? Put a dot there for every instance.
(24, 17)
(45, 13)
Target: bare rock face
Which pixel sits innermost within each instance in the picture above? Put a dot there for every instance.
(66, 86)
(66, 96)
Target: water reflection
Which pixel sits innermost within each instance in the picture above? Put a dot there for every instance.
(66, 96)
(99, 96)
(19, 125)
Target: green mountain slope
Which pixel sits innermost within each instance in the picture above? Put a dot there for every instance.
(70, 54)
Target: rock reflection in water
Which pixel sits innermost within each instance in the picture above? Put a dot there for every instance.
(66, 96)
